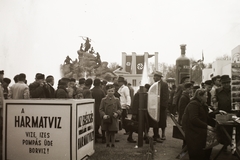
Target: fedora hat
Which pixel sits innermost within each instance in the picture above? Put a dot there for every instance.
(157, 73)
(188, 85)
(225, 79)
(208, 82)
(120, 79)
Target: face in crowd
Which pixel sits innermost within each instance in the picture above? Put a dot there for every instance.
(156, 78)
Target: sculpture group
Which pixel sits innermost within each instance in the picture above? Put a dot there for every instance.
(88, 64)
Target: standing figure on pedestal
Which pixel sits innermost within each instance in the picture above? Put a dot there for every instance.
(87, 44)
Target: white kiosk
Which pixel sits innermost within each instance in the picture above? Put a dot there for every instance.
(57, 129)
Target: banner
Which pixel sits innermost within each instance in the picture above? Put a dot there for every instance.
(139, 64)
(128, 64)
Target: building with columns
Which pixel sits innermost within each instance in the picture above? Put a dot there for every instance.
(135, 68)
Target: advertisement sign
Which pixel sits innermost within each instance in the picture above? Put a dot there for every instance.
(56, 129)
(154, 101)
(85, 130)
(37, 131)
(235, 86)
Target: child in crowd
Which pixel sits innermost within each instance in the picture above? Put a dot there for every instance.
(110, 108)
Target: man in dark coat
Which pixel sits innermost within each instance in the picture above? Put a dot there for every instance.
(179, 90)
(184, 100)
(61, 91)
(164, 97)
(208, 87)
(39, 88)
(50, 83)
(223, 97)
(223, 94)
(98, 95)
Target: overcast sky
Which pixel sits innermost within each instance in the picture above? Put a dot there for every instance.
(37, 35)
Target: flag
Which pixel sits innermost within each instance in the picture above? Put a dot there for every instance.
(128, 64)
(139, 64)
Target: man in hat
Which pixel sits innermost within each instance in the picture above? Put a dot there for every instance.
(184, 100)
(223, 94)
(50, 83)
(125, 100)
(19, 90)
(5, 84)
(223, 97)
(97, 94)
(208, 87)
(39, 88)
(216, 80)
(195, 87)
(164, 97)
(179, 91)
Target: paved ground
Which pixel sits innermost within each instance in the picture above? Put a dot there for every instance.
(128, 151)
(168, 150)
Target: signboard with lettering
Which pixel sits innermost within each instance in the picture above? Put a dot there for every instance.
(154, 101)
(85, 130)
(47, 129)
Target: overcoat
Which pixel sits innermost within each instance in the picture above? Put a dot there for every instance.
(164, 97)
(107, 107)
(183, 102)
(97, 94)
(61, 92)
(195, 126)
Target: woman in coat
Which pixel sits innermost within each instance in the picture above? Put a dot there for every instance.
(195, 126)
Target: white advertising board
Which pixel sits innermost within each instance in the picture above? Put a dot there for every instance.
(85, 131)
(154, 101)
(48, 129)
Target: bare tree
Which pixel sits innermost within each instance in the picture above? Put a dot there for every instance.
(113, 66)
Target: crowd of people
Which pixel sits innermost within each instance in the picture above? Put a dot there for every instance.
(194, 105)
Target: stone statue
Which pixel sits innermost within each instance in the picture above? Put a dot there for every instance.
(87, 44)
(81, 47)
(91, 51)
(67, 60)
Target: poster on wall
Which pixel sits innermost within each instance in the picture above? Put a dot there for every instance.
(235, 85)
(85, 130)
(38, 131)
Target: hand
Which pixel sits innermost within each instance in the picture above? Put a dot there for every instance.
(115, 115)
(125, 106)
(105, 116)
(222, 112)
(210, 128)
